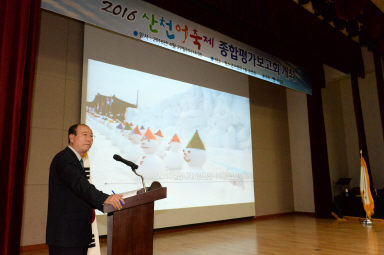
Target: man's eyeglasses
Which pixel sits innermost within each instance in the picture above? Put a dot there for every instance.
(87, 135)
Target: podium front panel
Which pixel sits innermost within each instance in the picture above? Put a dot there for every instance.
(130, 231)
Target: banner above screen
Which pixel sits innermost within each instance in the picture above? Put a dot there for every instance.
(149, 23)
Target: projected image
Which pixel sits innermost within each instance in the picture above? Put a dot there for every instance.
(193, 140)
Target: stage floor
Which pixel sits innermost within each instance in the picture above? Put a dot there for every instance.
(286, 234)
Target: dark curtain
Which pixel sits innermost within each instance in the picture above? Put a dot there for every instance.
(319, 154)
(19, 24)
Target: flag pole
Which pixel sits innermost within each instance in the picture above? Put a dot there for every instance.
(367, 221)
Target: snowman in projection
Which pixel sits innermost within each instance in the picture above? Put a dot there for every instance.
(117, 133)
(195, 154)
(150, 164)
(161, 147)
(110, 129)
(132, 149)
(104, 129)
(127, 134)
(174, 158)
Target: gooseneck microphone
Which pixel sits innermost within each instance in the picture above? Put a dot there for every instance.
(127, 162)
(131, 165)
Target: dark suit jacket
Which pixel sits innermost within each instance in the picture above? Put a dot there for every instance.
(71, 198)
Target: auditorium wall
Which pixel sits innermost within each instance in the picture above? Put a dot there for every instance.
(341, 130)
(372, 121)
(55, 106)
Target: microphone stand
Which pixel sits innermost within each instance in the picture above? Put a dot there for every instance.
(142, 179)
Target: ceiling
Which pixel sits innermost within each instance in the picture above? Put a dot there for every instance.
(360, 20)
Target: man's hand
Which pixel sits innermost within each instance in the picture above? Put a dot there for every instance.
(115, 200)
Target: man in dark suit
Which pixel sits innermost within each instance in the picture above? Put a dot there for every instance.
(72, 197)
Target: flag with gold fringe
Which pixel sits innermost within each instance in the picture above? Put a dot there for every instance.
(365, 189)
(94, 246)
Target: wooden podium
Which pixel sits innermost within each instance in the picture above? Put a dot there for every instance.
(130, 230)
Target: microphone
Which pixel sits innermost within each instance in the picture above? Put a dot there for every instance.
(127, 162)
(132, 165)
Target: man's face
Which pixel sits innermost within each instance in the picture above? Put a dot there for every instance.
(83, 139)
